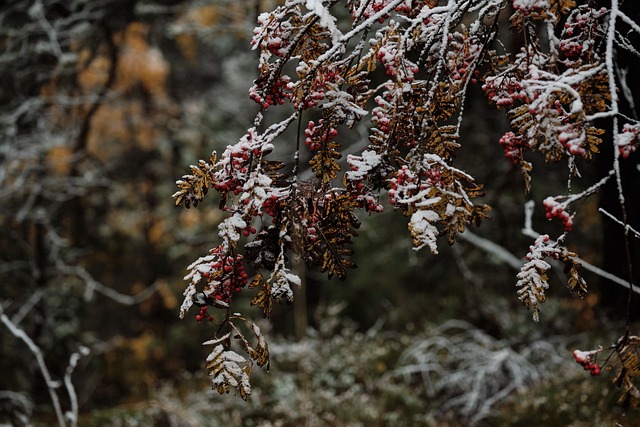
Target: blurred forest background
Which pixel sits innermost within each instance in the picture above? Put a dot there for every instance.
(105, 103)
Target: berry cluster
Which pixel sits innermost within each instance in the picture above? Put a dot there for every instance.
(310, 100)
(381, 117)
(229, 276)
(310, 224)
(270, 206)
(628, 139)
(231, 185)
(578, 39)
(504, 90)
(433, 176)
(557, 210)
(395, 64)
(513, 147)
(308, 217)
(572, 139)
(403, 181)
(249, 230)
(461, 56)
(404, 7)
(530, 7)
(235, 162)
(573, 47)
(311, 234)
(584, 359)
(545, 105)
(560, 117)
(316, 92)
(203, 315)
(407, 184)
(370, 203)
(362, 194)
(376, 6)
(271, 94)
(273, 35)
(318, 135)
(360, 169)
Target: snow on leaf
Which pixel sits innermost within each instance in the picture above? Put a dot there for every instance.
(423, 232)
(217, 341)
(326, 19)
(532, 279)
(229, 229)
(628, 139)
(229, 370)
(281, 281)
(260, 352)
(343, 108)
(362, 165)
(187, 302)
(431, 51)
(528, 5)
(196, 269)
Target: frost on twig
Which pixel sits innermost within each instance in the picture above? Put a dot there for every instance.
(635, 232)
(472, 372)
(69, 418)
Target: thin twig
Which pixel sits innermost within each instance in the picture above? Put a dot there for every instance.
(514, 262)
(634, 231)
(37, 353)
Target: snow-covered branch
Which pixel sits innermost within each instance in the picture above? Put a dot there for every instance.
(402, 70)
(617, 221)
(64, 418)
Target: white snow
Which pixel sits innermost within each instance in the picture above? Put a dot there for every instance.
(424, 233)
(326, 19)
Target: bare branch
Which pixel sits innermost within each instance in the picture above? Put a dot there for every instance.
(37, 353)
